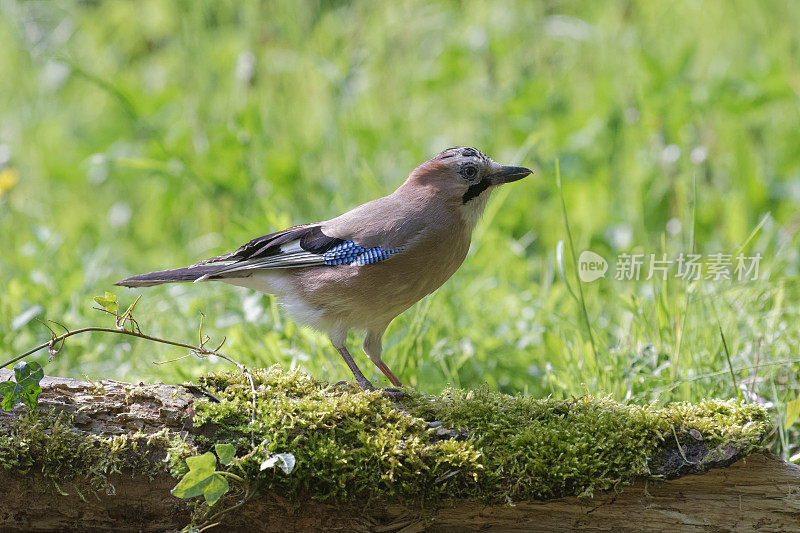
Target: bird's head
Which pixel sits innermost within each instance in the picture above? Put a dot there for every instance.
(465, 176)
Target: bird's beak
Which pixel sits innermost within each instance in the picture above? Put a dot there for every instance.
(507, 174)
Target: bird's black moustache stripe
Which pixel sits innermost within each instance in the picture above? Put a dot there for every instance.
(475, 190)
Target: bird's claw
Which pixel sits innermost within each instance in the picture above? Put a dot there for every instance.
(389, 392)
(394, 393)
(365, 385)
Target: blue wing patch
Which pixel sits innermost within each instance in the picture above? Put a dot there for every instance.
(349, 253)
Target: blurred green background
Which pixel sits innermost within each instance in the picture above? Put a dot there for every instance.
(136, 136)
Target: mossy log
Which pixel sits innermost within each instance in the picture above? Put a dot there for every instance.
(104, 456)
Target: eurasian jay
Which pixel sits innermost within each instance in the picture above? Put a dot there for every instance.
(363, 268)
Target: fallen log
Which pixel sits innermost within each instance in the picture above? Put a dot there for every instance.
(103, 456)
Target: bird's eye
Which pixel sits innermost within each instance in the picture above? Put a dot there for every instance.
(469, 171)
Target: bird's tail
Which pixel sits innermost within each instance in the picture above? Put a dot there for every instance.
(192, 273)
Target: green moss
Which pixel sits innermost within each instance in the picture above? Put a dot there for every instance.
(178, 449)
(357, 444)
(348, 443)
(48, 444)
(352, 444)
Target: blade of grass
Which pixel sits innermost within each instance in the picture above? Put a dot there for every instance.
(728, 358)
(580, 299)
(752, 234)
(688, 292)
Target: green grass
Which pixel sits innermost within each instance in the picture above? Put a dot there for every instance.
(148, 135)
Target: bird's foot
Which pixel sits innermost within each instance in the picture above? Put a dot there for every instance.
(366, 385)
(394, 393)
(363, 385)
(389, 392)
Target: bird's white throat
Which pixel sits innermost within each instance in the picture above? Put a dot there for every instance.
(472, 210)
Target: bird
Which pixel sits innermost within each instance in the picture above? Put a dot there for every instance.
(362, 269)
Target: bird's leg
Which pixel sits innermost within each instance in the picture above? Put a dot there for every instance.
(341, 347)
(363, 382)
(373, 348)
(388, 373)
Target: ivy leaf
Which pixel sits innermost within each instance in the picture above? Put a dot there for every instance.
(225, 452)
(201, 467)
(26, 389)
(108, 302)
(202, 479)
(285, 461)
(7, 389)
(216, 487)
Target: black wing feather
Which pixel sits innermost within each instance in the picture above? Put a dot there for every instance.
(259, 252)
(316, 242)
(268, 245)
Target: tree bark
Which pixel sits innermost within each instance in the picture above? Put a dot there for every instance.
(760, 492)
